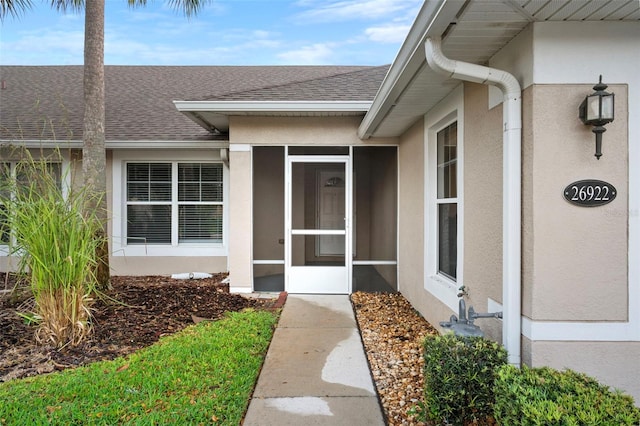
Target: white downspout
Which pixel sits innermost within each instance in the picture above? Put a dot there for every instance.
(512, 178)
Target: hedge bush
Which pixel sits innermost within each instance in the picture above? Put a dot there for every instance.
(459, 374)
(544, 396)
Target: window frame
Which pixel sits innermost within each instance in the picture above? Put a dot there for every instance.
(442, 200)
(120, 247)
(65, 184)
(449, 111)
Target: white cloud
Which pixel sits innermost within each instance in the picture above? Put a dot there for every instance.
(345, 10)
(315, 54)
(387, 33)
(44, 48)
(166, 46)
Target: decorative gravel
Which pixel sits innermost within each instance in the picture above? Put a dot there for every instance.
(393, 332)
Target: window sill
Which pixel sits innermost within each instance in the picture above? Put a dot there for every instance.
(444, 290)
(182, 250)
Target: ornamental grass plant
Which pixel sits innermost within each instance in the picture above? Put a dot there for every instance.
(55, 240)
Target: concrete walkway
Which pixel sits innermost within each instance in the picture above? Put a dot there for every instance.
(315, 372)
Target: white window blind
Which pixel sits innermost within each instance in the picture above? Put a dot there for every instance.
(174, 202)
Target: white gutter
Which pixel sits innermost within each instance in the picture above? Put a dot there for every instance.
(512, 178)
(247, 107)
(120, 144)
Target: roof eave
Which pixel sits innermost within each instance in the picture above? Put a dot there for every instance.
(432, 20)
(257, 107)
(221, 110)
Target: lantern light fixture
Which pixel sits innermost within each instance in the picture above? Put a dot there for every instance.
(596, 110)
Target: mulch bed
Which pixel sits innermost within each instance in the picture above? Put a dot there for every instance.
(154, 306)
(137, 312)
(392, 333)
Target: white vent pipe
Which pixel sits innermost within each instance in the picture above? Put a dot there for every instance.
(512, 179)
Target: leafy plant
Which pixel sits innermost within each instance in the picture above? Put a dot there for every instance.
(459, 373)
(544, 396)
(55, 239)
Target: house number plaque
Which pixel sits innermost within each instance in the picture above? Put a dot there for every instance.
(590, 193)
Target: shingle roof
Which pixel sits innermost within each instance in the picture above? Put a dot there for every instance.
(45, 102)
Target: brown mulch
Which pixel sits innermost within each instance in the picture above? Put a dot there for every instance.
(154, 306)
(148, 308)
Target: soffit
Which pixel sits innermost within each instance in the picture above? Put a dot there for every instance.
(471, 31)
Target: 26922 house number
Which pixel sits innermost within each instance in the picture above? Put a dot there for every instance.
(590, 193)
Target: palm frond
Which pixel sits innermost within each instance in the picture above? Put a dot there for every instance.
(188, 7)
(64, 5)
(14, 7)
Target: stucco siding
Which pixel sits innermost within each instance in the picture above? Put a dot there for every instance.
(578, 255)
(299, 131)
(528, 259)
(411, 254)
(612, 363)
(162, 265)
(240, 221)
(482, 204)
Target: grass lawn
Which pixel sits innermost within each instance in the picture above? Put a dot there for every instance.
(202, 375)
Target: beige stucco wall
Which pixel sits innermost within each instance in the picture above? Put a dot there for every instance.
(612, 363)
(482, 204)
(240, 228)
(411, 255)
(166, 265)
(574, 258)
(298, 131)
(411, 216)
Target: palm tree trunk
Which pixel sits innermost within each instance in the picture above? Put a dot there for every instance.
(93, 148)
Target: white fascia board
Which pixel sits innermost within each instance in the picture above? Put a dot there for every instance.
(37, 143)
(432, 20)
(230, 107)
(167, 144)
(121, 144)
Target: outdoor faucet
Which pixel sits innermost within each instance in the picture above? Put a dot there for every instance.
(473, 315)
(462, 311)
(463, 323)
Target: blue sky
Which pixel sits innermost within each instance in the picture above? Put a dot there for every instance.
(226, 32)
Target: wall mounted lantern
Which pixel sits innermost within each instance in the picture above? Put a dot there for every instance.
(334, 182)
(597, 110)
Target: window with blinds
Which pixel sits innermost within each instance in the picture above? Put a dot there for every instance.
(169, 203)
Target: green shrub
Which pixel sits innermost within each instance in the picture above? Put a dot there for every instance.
(459, 373)
(544, 396)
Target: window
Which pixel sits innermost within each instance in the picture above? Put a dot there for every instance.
(444, 199)
(25, 177)
(447, 200)
(171, 202)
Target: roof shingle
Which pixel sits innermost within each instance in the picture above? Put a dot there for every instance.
(45, 102)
